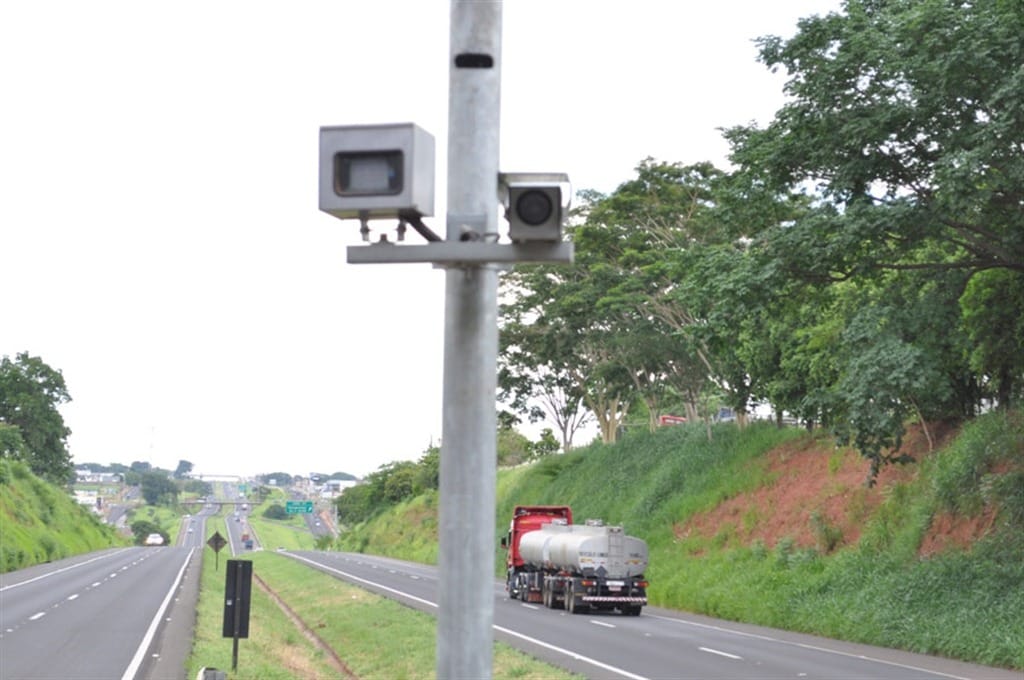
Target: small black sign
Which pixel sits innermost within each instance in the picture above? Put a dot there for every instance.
(217, 542)
(237, 593)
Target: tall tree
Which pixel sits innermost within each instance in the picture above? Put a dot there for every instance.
(158, 488)
(905, 126)
(30, 394)
(184, 467)
(908, 117)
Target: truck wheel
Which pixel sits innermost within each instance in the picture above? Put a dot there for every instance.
(570, 602)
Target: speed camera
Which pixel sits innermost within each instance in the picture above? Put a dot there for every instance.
(536, 205)
(376, 171)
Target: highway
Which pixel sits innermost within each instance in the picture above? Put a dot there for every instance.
(102, 615)
(87, 618)
(659, 643)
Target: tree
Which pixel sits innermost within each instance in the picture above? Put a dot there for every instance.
(184, 467)
(904, 132)
(276, 511)
(143, 528)
(198, 487)
(906, 116)
(11, 443)
(30, 393)
(995, 299)
(158, 489)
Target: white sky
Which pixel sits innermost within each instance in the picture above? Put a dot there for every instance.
(160, 241)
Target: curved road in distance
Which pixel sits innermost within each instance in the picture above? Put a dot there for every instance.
(659, 643)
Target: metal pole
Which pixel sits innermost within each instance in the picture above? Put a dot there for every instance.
(468, 445)
(238, 615)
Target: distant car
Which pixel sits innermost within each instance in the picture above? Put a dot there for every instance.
(190, 530)
(154, 539)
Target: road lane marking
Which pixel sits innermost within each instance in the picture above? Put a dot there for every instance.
(73, 597)
(507, 631)
(62, 569)
(725, 654)
(133, 667)
(602, 623)
(803, 645)
(37, 616)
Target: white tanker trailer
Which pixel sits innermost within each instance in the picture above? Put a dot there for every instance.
(581, 566)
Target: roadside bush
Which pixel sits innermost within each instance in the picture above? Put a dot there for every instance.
(275, 511)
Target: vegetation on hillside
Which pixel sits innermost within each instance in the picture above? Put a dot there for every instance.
(862, 266)
(40, 522)
(891, 585)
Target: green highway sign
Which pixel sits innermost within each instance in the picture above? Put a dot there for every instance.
(295, 507)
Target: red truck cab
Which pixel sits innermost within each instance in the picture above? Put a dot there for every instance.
(527, 518)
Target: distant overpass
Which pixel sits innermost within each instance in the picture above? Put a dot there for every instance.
(216, 478)
(219, 501)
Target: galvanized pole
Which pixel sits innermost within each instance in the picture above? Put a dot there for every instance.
(468, 445)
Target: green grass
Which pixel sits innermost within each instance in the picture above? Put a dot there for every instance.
(374, 636)
(273, 534)
(965, 605)
(40, 522)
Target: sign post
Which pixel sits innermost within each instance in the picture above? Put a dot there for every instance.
(237, 595)
(217, 542)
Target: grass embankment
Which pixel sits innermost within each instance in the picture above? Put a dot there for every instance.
(883, 588)
(373, 637)
(168, 519)
(41, 523)
(291, 533)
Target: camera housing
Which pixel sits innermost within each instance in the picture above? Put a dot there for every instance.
(376, 171)
(536, 205)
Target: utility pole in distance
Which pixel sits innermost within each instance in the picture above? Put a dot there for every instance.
(469, 423)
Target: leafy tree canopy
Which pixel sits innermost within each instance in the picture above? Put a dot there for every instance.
(30, 392)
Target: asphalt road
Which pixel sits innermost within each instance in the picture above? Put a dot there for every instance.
(658, 644)
(94, 616)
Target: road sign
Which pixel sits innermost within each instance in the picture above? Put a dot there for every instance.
(299, 507)
(216, 542)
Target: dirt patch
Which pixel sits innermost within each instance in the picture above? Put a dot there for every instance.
(817, 498)
(948, 532)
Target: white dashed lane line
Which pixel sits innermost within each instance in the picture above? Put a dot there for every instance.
(725, 654)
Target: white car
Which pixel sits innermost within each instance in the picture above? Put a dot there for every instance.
(154, 539)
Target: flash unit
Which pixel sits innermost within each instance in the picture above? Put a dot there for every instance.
(376, 171)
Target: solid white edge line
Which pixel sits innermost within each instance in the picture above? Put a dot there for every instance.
(63, 569)
(560, 650)
(140, 653)
(363, 580)
(574, 655)
(804, 645)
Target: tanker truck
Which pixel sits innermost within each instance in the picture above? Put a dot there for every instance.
(577, 567)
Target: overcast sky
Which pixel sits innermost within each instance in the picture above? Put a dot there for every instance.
(160, 238)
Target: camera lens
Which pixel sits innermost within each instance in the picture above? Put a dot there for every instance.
(534, 207)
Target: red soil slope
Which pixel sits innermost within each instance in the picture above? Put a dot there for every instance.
(815, 486)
